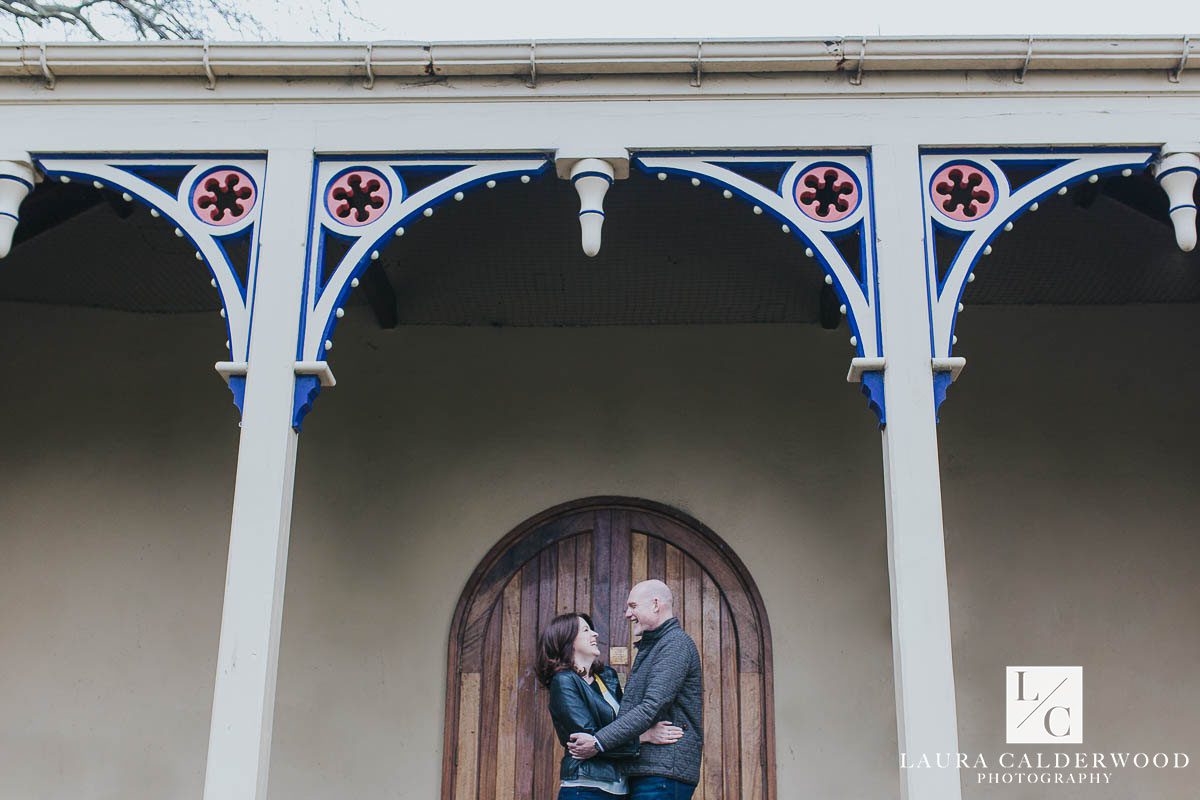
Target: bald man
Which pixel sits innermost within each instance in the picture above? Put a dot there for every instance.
(665, 683)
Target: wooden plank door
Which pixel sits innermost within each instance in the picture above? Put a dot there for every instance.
(501, 743)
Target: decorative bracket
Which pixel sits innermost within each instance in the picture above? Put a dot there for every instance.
(17, 177)
(868, 374)
(972, 196)
(358, 206)
(823, 200)
(945, 372)
(311, 377)
(1176, 173)
(214, 204)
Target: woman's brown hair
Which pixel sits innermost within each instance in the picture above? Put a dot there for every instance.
(556, 647)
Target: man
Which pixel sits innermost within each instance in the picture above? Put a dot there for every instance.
(665, 683)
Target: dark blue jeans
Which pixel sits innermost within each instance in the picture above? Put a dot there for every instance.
(586, 793)
(655, 788)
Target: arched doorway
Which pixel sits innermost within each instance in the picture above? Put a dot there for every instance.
(499, 741)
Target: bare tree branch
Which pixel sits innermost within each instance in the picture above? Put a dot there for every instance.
(147, 19)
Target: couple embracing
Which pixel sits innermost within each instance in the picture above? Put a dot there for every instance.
(643, 743)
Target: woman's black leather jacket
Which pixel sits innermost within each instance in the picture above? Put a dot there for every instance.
(577, 707)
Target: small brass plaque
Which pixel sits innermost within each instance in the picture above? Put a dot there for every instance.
(618, 656)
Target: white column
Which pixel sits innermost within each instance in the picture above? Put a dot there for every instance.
(926, 718)
(239, 745)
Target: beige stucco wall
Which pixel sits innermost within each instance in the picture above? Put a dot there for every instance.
(1070, 502)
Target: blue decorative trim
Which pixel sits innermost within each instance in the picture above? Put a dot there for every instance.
(1173, 209)
(591, 211)
(1167, 172)
(28, 185)
(1071, 151)
(941, 385)
(1050, 165)
(13, 216)
(873, 296)
(747, 169)
(237, 386)
(323, 236)
(871, 384)
(305, 394)
(233, 271)
(608, 178)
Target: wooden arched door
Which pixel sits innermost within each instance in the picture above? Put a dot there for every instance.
(499, 741)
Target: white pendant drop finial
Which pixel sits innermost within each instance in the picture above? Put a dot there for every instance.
(16, 181)
(592, 177)
(1176, 173)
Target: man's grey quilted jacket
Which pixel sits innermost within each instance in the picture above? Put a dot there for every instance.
(665, 683)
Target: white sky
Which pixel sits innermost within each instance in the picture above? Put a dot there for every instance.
(449, 20)
(548, 19)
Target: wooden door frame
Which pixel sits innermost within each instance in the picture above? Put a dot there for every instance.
(516, 548)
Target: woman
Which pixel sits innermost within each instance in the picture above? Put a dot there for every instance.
(585, 695)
